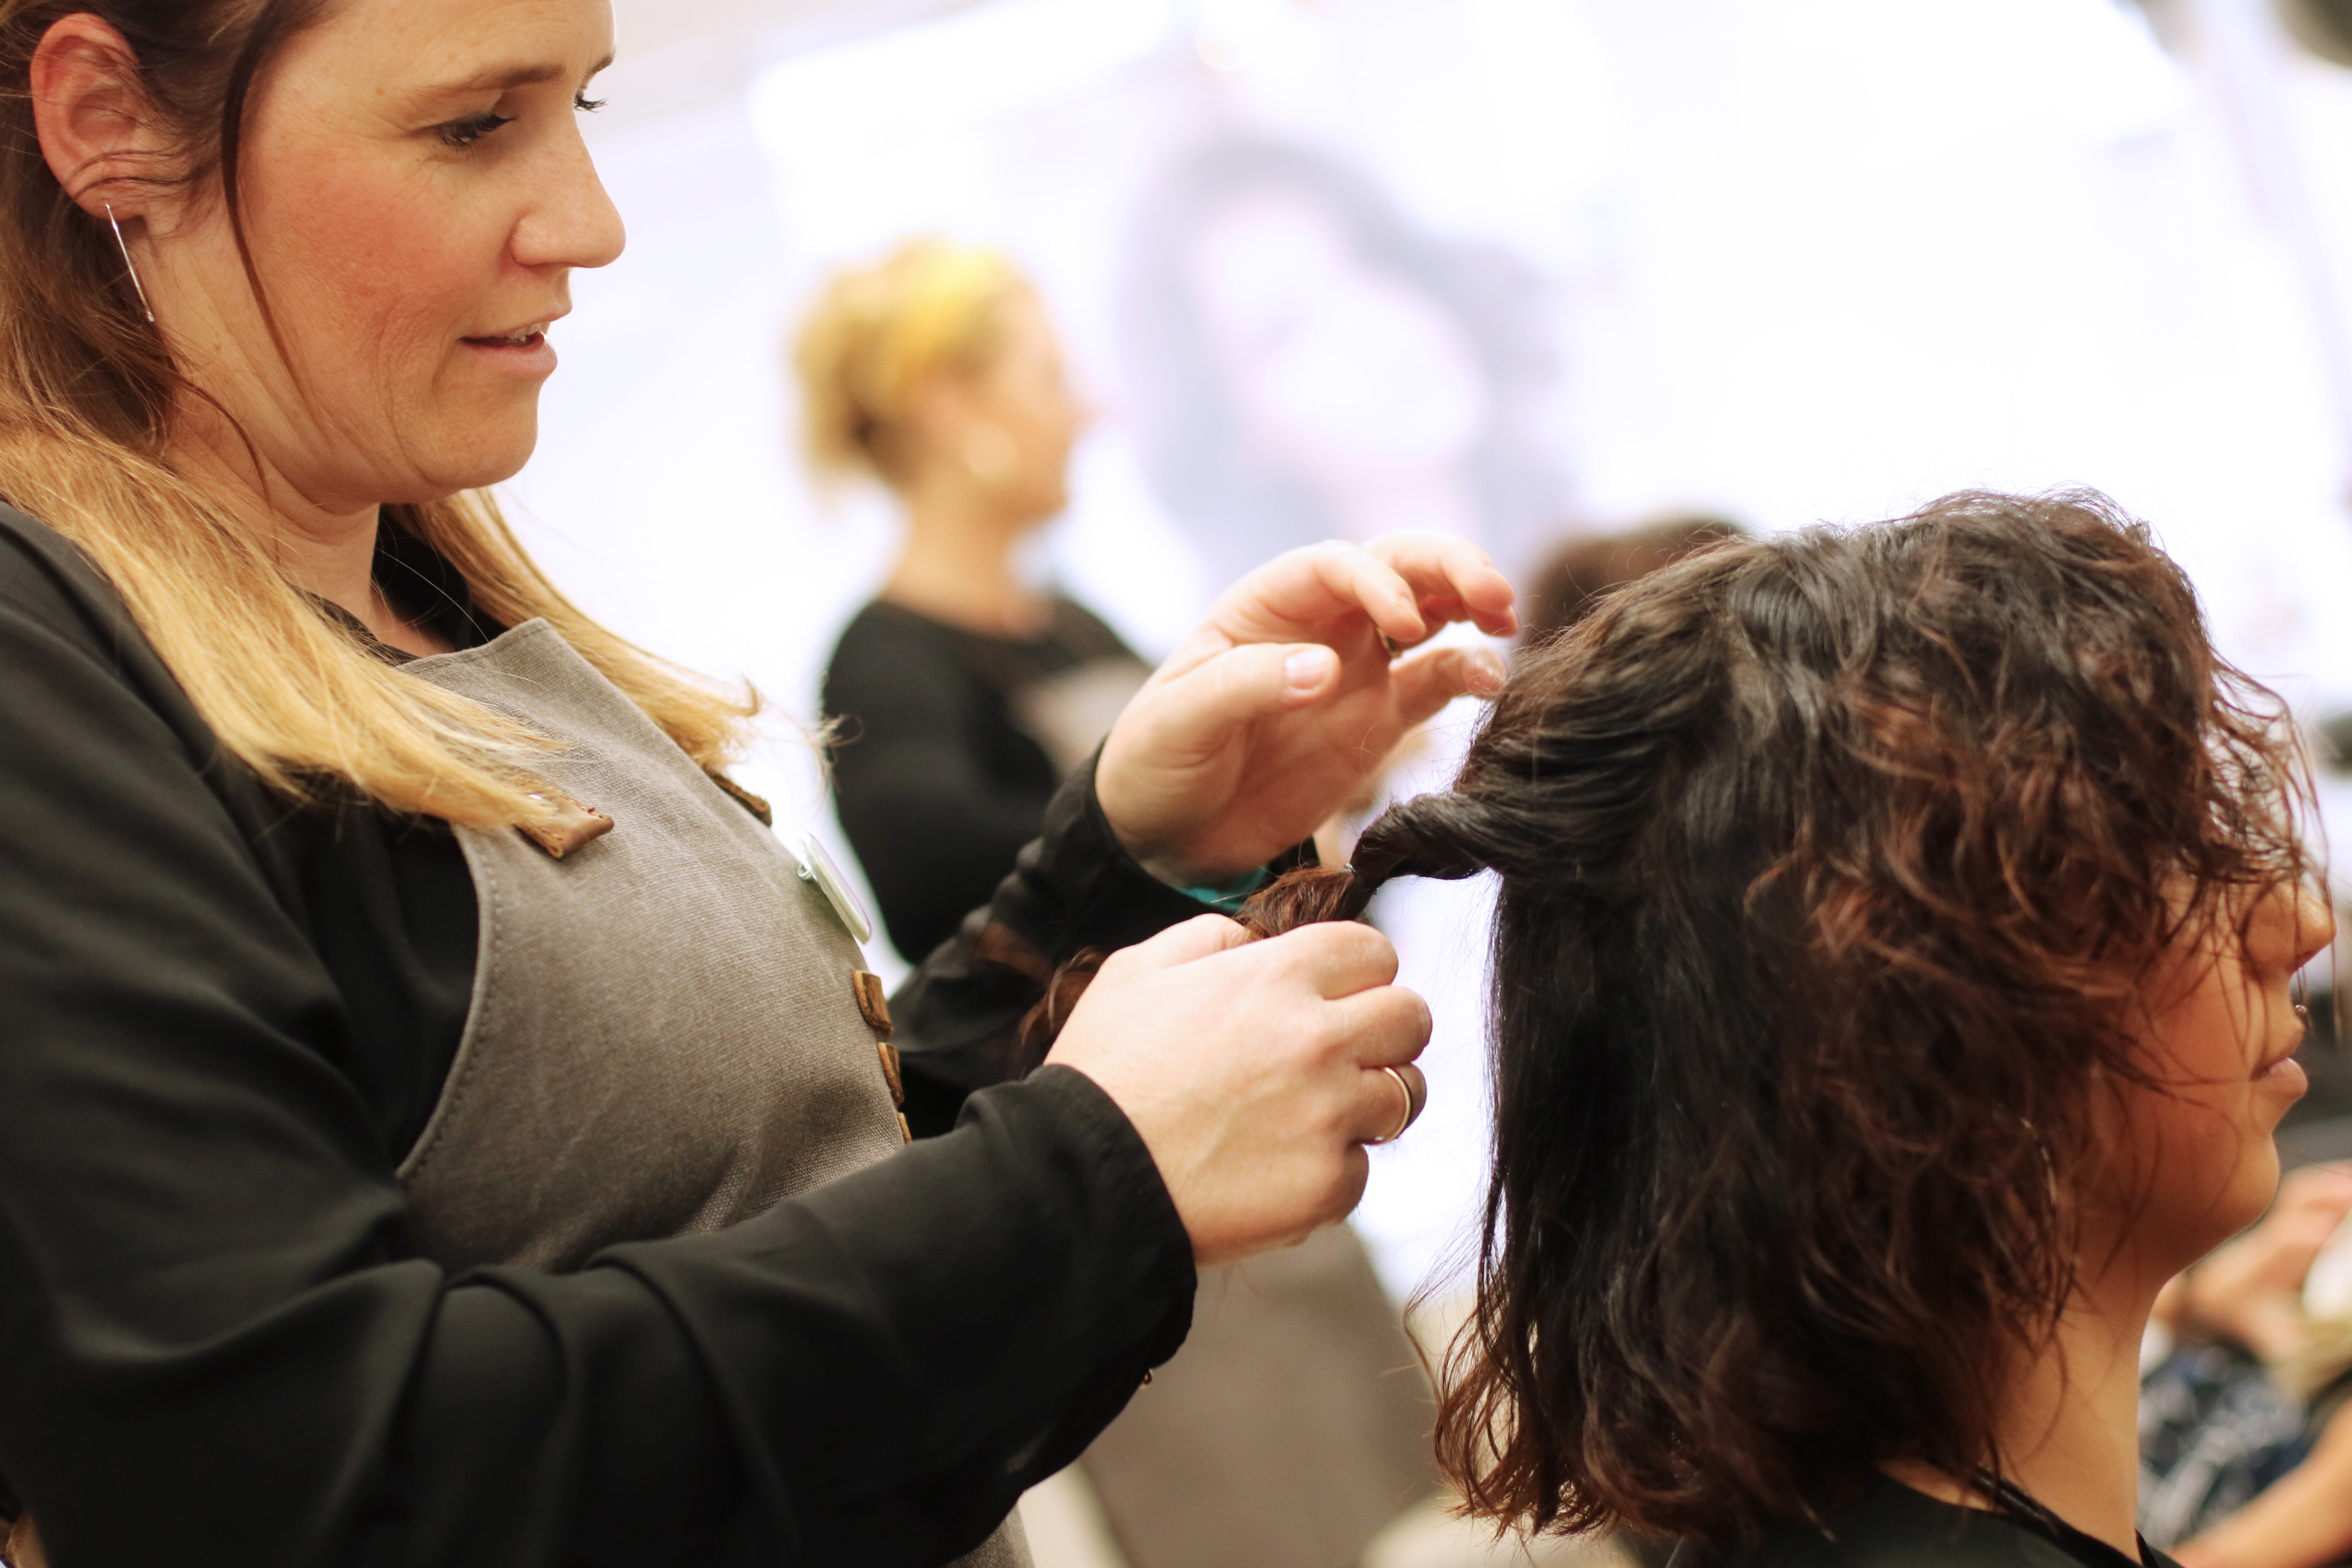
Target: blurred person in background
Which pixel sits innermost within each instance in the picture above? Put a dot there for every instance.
(1294, 1425)
(2246, 1420)
(963, 694)
(1303, 362)
(445, 1127)
(1570, 583)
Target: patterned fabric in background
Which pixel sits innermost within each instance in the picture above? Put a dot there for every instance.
(2214, 1431)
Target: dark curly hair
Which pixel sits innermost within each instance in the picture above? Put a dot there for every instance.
(1830, 863)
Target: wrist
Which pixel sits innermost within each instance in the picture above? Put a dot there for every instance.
(1227, 898)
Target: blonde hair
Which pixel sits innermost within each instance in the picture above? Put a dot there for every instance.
(878, 333)
(88, 392)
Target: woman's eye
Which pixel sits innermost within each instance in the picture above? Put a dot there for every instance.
(466, 132)
(586, 104)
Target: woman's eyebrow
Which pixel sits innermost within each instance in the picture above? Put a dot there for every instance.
(505, 78)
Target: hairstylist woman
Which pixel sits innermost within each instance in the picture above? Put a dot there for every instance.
(330, 1093)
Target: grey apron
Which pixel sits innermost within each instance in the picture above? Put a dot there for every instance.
(664, 1036)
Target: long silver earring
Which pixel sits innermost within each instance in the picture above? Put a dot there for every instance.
(128, 264)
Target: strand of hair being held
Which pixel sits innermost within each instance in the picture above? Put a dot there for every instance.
(1423, 837)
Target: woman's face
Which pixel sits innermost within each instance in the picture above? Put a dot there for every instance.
(416, 192)
(2193, 1162)
(1018, 420)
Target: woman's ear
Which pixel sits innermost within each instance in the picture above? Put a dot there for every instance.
(99, 131)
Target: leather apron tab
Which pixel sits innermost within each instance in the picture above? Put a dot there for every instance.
(873, 1001)
(567, 826)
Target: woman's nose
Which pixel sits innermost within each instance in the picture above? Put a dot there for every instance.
(572, 221)
(2315, 923)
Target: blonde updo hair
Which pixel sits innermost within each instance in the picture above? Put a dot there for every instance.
(877, 332)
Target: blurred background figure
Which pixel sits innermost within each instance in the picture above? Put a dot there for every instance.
(963, 692)
(1293, 1426)
(1570, 583)
(2246, 1401)
(1302, 362)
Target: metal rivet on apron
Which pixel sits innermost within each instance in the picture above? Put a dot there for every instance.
(890, 1074)
(817, 867)
(872, 1000)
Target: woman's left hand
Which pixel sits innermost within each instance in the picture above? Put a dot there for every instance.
(1284, 702)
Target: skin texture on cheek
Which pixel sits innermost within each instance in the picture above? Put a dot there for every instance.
(2192, 1161)
(375, 266)
(1025, 395)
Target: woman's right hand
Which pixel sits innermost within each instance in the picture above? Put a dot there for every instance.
(1252, 1070)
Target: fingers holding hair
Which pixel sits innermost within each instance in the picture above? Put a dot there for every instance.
(1428, 681)
(1451, 580)
(1407, 586)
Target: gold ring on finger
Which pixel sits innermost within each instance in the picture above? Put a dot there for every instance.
(1414, 1098)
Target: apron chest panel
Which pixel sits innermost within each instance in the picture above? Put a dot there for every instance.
(663, 1037)
(666, 1034)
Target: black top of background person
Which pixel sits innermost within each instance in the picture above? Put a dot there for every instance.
(220, 1019)
(938, 783)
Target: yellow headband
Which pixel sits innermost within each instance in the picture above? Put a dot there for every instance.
(947, 292)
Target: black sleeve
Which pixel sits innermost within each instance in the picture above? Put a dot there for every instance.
(1074, 889)
(216, 1347)
(934, 826)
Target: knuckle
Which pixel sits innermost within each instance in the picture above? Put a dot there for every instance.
(1348, 1190)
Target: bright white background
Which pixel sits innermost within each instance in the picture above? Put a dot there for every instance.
(1801, 260)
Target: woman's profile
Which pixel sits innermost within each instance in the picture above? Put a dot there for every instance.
(962, 695)
(1892, 994)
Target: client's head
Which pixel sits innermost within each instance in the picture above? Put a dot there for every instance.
(1892, 947)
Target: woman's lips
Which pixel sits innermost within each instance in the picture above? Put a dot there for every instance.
(2285, 1076)
(525, 352)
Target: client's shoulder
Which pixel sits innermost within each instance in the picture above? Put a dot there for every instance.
(1895, 1527)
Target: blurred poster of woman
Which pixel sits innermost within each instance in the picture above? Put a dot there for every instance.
(1302, 362)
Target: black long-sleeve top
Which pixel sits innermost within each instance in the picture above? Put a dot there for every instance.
(939, 780)
(222, 1021)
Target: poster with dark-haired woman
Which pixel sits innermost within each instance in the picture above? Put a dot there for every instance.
(1302, 361)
